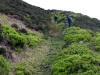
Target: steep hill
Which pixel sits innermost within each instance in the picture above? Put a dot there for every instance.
(38, 18)
(31, 43)
(33, 17)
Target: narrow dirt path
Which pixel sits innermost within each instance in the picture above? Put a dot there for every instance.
(36, 54)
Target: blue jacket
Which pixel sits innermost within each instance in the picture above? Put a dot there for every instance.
(55, 18)
(69, 21)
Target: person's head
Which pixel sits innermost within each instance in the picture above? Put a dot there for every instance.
(68, 17)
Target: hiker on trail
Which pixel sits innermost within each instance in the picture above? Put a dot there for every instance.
(69, 21)
(56, 19)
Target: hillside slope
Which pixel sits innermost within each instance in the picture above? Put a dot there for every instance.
(31, 43)
(38, 18)
(78, 19)
(33, 17)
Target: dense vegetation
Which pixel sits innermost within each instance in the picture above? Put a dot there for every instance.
(4, 66)
(75, 34)
(18, 39)
(96, 41)
(23, 68)
(77, 58)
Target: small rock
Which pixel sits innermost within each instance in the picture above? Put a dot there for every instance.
(81, 42)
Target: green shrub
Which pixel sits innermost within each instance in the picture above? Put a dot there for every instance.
(20, 39)
(75, 34)
(76, 65)
(17, 40)
(24, 68)
(97, 34)
(33, 38)
(4, 66)
(76, 49)
(34, 34)
(77, 59)
(7, 30)
(96, 42)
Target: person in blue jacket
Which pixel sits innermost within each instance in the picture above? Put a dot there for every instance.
(69, 21)
(56, 19)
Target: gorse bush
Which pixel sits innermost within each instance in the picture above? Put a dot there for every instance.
(24, 68)
(96, 41)
(34, 34)
(76, 65)
(76, 60)
(20, 39)
(7, 30)
(97, 34)
(75, 34)
(15, 39)
(33, 38)
(76, 49)
(4, 66)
